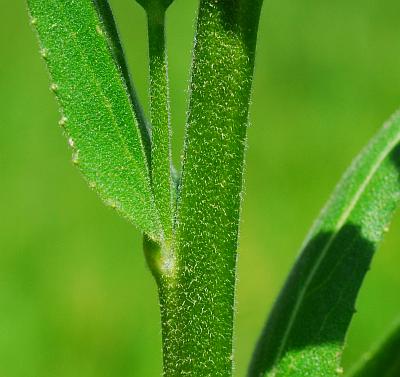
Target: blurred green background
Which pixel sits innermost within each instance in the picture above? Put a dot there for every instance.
(75, 296)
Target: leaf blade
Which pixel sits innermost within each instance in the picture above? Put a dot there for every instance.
(384, 361)
(308, 323)
(110, 29)
(97, 115)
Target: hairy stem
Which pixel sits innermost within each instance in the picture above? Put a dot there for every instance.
(197, 275)
(160, 120)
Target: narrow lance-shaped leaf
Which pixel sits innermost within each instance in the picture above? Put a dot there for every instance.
(384, 361)
(305, 332)
(96, 110)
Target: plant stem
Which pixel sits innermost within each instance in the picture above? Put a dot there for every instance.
(197, 275)
(160, 120)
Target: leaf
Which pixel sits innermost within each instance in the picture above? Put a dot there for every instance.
(111, 32)
(305, 332)
(384, 361)
(96, 110)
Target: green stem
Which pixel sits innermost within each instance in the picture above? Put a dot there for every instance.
(197, 275)
(160, 120)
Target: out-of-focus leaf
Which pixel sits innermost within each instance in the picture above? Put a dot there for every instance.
(305, 332)
(384, 361)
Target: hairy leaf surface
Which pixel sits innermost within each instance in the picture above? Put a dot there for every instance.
(97, 114)
(305, 332)
(111, 32)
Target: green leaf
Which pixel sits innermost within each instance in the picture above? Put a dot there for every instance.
(111, 32)
(383, 361)
(305, 332)
(96, 108)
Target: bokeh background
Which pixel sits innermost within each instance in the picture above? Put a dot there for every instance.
(75, 296)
